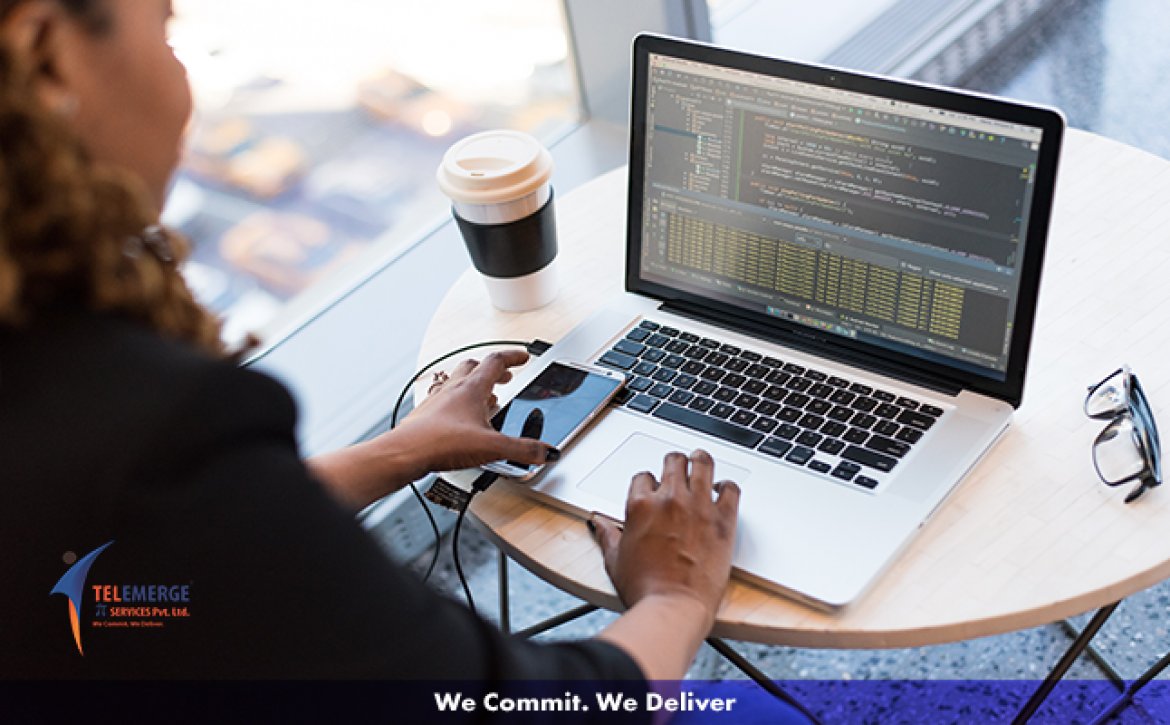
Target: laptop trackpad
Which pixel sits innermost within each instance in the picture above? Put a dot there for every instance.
(640, 452)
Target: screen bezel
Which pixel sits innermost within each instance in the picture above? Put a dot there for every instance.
(1050, 121)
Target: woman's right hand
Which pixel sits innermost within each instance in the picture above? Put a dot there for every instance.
(678, 535)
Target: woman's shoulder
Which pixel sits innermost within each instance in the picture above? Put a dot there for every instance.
(96, 372)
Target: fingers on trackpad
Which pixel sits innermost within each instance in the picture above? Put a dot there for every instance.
(611, 478)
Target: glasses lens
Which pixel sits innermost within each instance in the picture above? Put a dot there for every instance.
(1117, 454)
(1108, 398)
(1149, 428)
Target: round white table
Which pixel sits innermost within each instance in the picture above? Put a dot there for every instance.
(1031, 536)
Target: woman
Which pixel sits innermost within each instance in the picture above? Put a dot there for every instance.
(122, 419)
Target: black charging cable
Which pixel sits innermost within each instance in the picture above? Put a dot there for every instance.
(486, 479)
(536, 348)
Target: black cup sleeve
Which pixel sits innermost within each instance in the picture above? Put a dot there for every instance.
(514, 249)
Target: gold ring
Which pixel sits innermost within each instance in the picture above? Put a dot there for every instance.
(438, 380)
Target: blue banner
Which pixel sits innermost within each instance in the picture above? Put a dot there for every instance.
(742, 702)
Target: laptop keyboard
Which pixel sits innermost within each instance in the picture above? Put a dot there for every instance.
(834, 426)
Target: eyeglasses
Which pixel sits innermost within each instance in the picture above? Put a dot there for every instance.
(1129, 448)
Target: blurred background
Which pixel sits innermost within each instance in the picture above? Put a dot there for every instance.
(319, 127)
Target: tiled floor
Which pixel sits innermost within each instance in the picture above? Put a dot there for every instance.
(1106, 64)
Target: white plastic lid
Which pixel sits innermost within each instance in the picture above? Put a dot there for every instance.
(493, 167)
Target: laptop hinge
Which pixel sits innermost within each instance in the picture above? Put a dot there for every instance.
(811, 344)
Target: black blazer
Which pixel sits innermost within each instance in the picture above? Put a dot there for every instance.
(189, 466)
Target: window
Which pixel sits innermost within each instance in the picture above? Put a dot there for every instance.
(319, 126)
(799, 30)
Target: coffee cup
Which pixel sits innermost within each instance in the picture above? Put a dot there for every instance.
(502, 200)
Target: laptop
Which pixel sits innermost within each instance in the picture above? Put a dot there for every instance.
(831, 280)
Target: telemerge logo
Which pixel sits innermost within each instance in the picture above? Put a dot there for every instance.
(72, 585)
(130, 606)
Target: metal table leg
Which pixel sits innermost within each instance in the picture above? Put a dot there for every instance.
(505, 609)
(562, 618)
(1127, 696)
(1064, 664)
(1094, 654)
(740, 662)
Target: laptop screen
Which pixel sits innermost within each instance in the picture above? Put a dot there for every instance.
(887, 222)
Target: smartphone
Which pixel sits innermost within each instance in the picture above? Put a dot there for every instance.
(555, 407)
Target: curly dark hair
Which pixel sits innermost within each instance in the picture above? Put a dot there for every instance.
(71, 229)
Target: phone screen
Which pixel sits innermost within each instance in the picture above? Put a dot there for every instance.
(554, 404)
